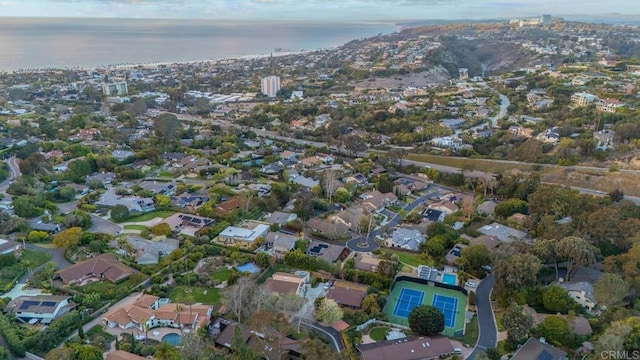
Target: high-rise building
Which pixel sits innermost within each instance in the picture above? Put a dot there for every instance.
(270, 86)
(116, 88)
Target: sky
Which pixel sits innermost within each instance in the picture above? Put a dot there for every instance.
(339, 10)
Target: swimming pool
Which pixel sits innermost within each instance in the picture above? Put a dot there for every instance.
(450, 279)
(172, 339)
(249, 267)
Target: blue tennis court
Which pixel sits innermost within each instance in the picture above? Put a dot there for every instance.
(408, 300)
(448, 306)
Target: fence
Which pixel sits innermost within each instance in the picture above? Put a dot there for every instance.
(379, 322)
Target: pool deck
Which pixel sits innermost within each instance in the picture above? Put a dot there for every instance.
(155, 333)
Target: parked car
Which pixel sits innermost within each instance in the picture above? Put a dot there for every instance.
(471, 284)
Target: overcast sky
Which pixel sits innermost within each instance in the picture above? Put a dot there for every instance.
(384, 10)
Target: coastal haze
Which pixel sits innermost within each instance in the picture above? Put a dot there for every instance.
(30, 43)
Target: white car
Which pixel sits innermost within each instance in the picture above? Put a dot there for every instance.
(471, 284)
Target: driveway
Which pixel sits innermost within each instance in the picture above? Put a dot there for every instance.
(486, 320)
(57, 256)
(105, 226)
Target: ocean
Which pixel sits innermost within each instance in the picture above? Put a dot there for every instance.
(28, 43)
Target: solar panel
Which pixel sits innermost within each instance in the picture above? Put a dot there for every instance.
(48, 303)
(196, 221)
(28, 303)
(544, 355)
(187, 218)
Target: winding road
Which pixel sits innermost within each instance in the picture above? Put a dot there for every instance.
(488, 337)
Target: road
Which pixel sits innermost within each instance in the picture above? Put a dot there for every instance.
(368, 244)
(57, 256)
(104, 226)
(14, 172)
(488, 336)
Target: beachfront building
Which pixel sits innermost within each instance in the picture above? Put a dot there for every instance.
(270, 86)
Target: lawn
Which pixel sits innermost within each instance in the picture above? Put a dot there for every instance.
(471, 333)
(411, 259)
(379, 333)
(198, 295)
(150, 216)
(135, 227)
(10, 274)
(221, 275)
(34, 258)
(267, 274)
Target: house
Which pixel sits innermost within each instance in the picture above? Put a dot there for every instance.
(328, 252)
(280, 218)
(366, 262)
(147, 251)
(227, 206)
(583, 98)
(43, 308)
(374, 200)
(101, 267)
(187, 224)
(305, 182)
(409, 348)
(487, 208)
(288, 155)
(39, 224)
(445, 206)
(10, 247)
(190, 201)
(328, 229)
(123, 355)
(433, 215)
(281, 243)
(134, 204)
(406, 239)
(347, 294)
(609, 105)
(504, 233)
(105, 178)
(245, 234)
(455, 252)
(150, 311)
(538, 350)
(282, 283)
(582, 292)
(122, 154)
(159, 187)
(271, 169)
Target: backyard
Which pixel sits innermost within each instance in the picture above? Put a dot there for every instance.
(221, 275)
(150, 216)
(411, 259)
(379, 333)
(209, 296)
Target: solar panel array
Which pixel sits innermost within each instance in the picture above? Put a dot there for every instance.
(544, 355)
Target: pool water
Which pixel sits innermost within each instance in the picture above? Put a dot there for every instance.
(450, 279)
(172, 339)
(249, 267)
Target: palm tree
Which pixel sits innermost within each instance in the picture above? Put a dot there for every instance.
(145, 328)
(178, 311)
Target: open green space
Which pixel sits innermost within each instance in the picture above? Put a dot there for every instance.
(473, 164)
(135, 227)
(9, 275)
(429, 294)
(221, 275)
(379, 333)
(471, 333)
(150, 216)
(411, 259)
(210, 296)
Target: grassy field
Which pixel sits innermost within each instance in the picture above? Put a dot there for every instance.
(34, 258)
(474, 164)
(135, 227)
(411, 259)
(221, 275)
(198, 295)
(150, 216)
(378, 333)
(471, 333)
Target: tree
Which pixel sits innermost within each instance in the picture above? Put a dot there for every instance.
(329, 311)
(166, 127)
(510, 207)
(370, 305)
(576, 251)
(162, 201)
(165, 351)
(555, 329)
(517, 271)
(557, 299)
(192, 347)
(545, 250)
(161, 229)
(610, 289)
(64, 353)
(426, 320)
(474, 257)
(517, 321)
(119, 213)
(330, 183)
(616, 195)
(37, 236)
(68, 238)
(87, 352)
(238, 297)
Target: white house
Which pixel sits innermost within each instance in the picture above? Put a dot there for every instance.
(581, 292)
(406, 239)
(43, 308)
